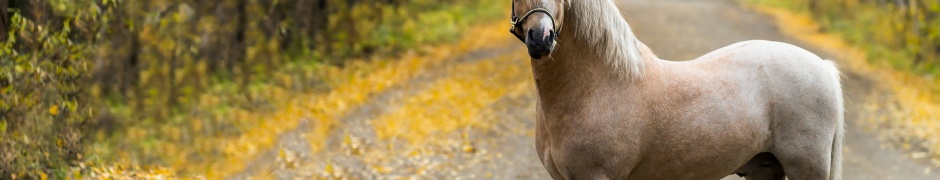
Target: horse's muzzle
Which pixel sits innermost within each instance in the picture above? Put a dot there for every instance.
(540, 42)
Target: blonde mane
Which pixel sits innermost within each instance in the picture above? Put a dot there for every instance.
(600, 24)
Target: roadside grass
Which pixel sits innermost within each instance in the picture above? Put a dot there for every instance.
(227, 127)
(909, 116)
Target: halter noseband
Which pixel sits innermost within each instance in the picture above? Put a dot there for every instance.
(517, 22)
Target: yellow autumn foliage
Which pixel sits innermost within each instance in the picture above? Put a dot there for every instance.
(453, 103)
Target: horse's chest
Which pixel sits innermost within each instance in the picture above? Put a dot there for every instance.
(583, 151)
(587, 160)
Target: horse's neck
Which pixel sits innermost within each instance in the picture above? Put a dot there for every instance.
(574, 72)
(579, 67)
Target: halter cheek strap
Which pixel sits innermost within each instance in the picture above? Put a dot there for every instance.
(517, 22)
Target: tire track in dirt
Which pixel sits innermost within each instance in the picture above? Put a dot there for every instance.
(489, 142)
(294, 145)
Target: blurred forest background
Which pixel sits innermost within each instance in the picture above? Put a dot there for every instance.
(91, 82)
(904, 34)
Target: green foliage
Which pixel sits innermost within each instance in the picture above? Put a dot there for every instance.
(902, 34)
(44, 106)
(367, 28)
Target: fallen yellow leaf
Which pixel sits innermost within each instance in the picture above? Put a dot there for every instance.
(54, 110)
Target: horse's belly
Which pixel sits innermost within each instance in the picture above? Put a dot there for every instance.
(700, 155)
(697, 156)
(715, 167)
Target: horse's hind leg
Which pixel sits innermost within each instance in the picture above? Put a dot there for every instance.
(803, 133)
(806, 166)
(804, 153)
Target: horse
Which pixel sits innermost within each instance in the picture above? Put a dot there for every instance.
(608, 108)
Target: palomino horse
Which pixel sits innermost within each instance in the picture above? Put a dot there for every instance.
(608, 108)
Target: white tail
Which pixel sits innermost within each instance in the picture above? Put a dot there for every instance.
(835, 166)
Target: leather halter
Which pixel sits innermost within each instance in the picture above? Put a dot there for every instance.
(517, 22)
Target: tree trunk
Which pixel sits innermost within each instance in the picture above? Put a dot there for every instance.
(239, 54)
(320, 12)
(4, 19)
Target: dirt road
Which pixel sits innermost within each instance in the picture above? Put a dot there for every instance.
(473, 117)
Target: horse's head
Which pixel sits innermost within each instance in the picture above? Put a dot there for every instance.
(537, 23)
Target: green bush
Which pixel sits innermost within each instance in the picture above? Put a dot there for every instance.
(43, 70)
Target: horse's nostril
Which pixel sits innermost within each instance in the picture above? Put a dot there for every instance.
(539, 42)
(536, 35)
